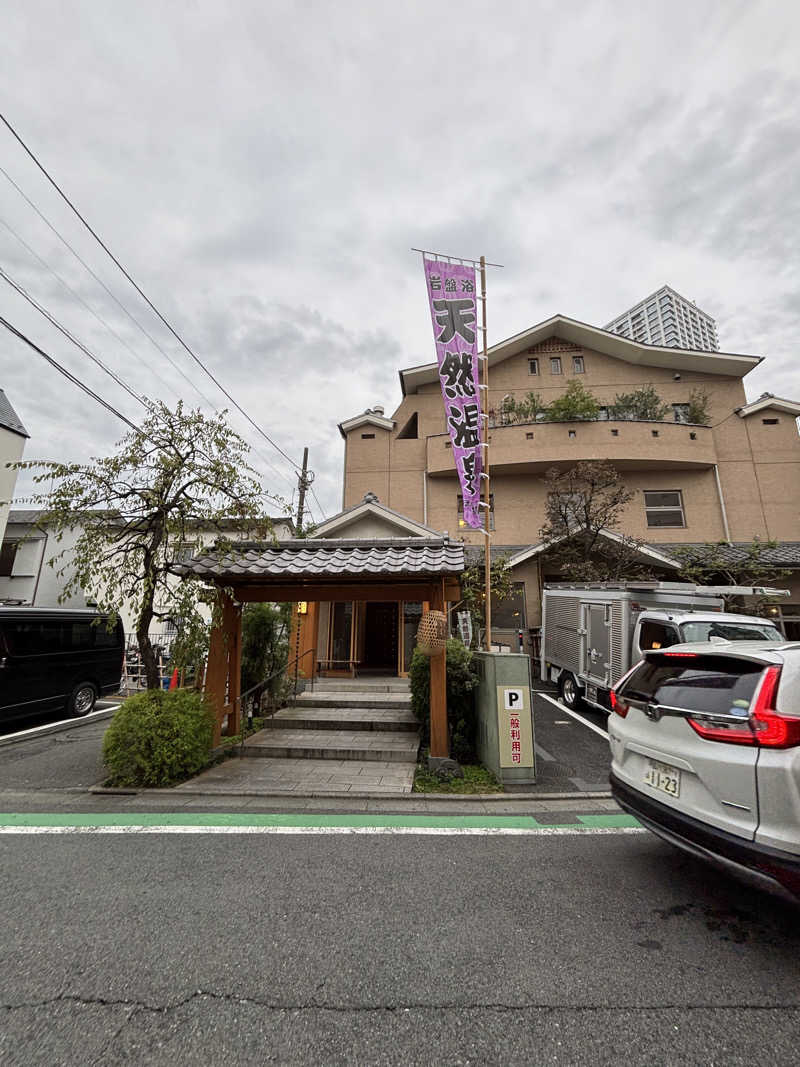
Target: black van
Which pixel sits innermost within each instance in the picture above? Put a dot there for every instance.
(54, 658)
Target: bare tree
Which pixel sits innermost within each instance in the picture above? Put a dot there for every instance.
(583, 518)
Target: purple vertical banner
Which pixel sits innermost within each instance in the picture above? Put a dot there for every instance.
(454, 311)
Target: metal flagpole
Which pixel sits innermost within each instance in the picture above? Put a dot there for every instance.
(485, 465)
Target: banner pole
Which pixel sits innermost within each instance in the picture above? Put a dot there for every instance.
(485, 467)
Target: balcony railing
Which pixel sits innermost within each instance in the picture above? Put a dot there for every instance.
(521, 447)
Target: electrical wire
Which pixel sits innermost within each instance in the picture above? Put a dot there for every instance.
(68, 374)
(79, 344)
(99, 317)
(141, 293)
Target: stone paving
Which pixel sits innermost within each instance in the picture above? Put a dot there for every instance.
(303, 776)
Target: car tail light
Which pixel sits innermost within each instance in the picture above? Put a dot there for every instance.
(764, 727)
(734, 734)
(771, 729)
(618, 705)
(681, 655)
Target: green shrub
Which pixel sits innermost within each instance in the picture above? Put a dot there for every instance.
(462, 678)
(698, 407)
(158, 738)
(641, 405)
(575, 403)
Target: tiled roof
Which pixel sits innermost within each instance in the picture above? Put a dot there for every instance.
(326, 558)
(9, 418)
(785, 553)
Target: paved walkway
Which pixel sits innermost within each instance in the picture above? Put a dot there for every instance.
(315, 777)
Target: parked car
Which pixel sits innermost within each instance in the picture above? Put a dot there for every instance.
(54, 658)
(592, 633)
(705, 747)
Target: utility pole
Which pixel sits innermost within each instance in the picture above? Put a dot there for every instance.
(304, 480)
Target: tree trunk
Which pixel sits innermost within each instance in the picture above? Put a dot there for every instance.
(146, 649)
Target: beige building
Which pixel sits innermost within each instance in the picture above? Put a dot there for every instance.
(13, 436)
(734, 477)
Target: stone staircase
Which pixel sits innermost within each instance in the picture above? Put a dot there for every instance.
(364, 720)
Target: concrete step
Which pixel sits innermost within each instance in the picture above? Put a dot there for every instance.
(339, 685)
(317, 699)
(370, 745)
(308, 718)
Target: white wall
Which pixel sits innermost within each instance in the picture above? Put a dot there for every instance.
(12, 446)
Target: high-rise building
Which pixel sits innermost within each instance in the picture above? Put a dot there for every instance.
(667, 318)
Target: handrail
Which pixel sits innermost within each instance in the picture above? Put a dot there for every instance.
(263, 684)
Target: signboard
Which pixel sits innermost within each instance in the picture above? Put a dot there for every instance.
(453, 304)
(514, 726)
(465, 627)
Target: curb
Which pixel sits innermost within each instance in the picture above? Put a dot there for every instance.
(476, 798)
(58, 727)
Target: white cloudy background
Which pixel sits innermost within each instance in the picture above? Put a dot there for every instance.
(263, 168)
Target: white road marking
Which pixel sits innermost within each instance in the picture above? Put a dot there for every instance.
(74, 721)
(424, 831)
(574, 714)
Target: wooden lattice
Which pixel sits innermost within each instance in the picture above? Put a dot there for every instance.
(432, 633)
(554, 344)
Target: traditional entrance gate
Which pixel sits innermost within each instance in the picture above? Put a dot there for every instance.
(384, 578)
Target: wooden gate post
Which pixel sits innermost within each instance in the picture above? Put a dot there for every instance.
(440, 741)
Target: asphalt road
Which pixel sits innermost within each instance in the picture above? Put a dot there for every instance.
(387, 950)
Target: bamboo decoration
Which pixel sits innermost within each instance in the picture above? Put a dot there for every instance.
(432, 633)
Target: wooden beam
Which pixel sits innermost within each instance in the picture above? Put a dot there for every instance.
(232, 626)
(216, 677)
(258, 593)
(440, 742)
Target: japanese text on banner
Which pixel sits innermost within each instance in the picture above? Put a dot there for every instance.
(453, 303)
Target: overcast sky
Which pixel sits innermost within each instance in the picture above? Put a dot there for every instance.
(263, 169)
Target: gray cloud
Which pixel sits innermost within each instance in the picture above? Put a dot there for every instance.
(263, 171)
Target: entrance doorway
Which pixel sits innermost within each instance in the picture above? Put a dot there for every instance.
(380, 637)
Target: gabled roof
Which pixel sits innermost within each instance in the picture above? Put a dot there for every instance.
(769, 400)
(369, 418)
(9, 420)
(610, 344)
(371, 506)
(647, 552)
(784, 554)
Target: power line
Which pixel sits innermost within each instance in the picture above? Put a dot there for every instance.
(79, 344)
(68, 374)
(141, 293)
(105, 288)
(99, 317)
(85, 388)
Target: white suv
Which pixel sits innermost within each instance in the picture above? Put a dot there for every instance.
(705, 748)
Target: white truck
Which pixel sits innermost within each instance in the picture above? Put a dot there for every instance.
(593, 634)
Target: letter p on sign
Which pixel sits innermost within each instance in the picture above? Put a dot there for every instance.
(512, 700)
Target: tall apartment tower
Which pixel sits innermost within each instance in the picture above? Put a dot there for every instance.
(667, 318)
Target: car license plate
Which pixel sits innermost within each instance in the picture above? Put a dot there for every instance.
(663, 777)
(591, 693)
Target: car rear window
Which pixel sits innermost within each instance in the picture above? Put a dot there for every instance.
(716, 684)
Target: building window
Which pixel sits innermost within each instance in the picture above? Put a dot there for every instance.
(528, 436)
(790, 617)
(183, 551)
(533, 366)
(615, 433)
(410, 431)
(680, 412)
(664, 507)
(8, 553)
(602, 414)
(770, 422)
(577, 365)
(462, 524)
(571, 433)
(368, 437)
(555, 364)
(654, 433)
(509, 613)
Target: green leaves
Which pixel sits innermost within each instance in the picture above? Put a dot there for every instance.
(121, 518)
